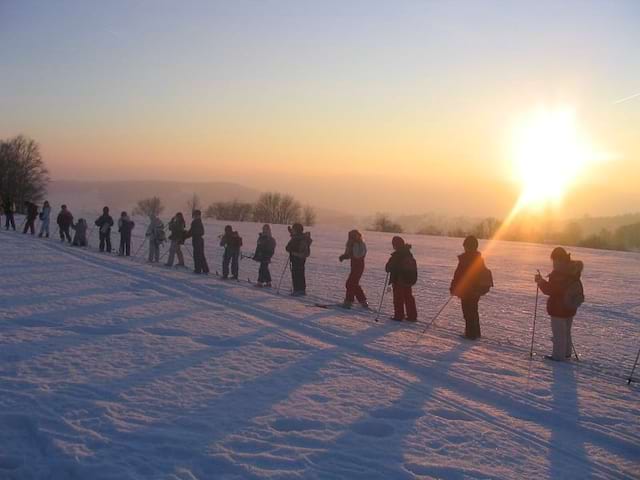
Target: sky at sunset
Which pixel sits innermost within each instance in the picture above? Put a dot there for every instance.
(358, 106)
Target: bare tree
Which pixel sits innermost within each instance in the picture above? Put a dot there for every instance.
(234, 210)
(149, 206)
(308, 216)
(382, 223)
(274, 207)
(194, 203)
(23, 175)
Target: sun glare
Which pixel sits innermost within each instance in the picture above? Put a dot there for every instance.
(549, 155)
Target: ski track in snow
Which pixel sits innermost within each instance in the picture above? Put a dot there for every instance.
(114, 369)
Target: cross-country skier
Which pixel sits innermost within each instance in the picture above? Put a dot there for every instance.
(65, 221)
(32, 214)
(299, 248)
(104, 224)
(265, 248)
(155, 234)
(45, 216)
(403, 274)
(176, 236)
(471, 280)
(80, 235)
(9, 210)
(355, 251)
(565, 292)
(125, 227)
(231, 241)
(196, 233)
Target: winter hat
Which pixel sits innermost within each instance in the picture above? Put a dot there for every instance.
(560, 254)
(297, 228)
(470, 243)
(354, 235)
(397, 242)
(228, 229)
(105, 210)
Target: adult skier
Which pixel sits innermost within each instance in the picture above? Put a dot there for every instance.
(104, 224)
(265, 248)
(176, 236)
(566, 294)
(45, 216)
(155, 234)
(471, 280)
(299, 248)
(196, 233)
(231, 241)
(355, 251)
(125, 227)
(65, 221)
(403, 274)
(9, 210)
(32, 214)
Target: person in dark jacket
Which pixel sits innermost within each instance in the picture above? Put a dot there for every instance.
(265, 248)
(176, 237)
(80, 233)
(65, 221)
(45, 216)
(104, 224)
(355, 250)
(402, 276)
(9, 210)
(32, 214)
(125, 227)
(231, 241)
(562, 280)
(196, 233)
(467, 284)
(299, 249)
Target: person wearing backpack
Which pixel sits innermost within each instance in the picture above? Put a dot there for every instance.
(125, 227)
(471, 280)
(104, 224)
(403, 274)
(45, 216)
(299, 249)
(32, 214)
(231, 241)
(355, 251)
(265, 248)
(566, 294)
(176, 236)
(155, 234)
(196, 233)
(65, 222)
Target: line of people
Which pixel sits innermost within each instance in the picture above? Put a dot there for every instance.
(471, 279)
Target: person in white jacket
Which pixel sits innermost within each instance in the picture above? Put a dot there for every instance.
(156, 235)
(356, 251)
(45, 215)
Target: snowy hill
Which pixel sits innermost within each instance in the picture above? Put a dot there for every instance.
(114, 369)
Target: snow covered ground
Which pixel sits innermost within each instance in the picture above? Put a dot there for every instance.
(114, 369)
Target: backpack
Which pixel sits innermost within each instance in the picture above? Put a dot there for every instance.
(574, 294)
(305, 245)
(160, 234)
(409, 271)
(484, 281)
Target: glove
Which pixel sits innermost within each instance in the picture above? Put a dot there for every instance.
(342, 258)
(538, 278)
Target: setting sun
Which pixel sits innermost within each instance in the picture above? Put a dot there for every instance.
(550, 154)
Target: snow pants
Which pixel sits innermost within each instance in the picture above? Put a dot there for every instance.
(105, 241)
(471, 317)
(403, 300)
(354, 290)
(230, 257)
(44, 228)
(264, 275)
(125, 244)
(298, 274)
(64, 233)
(175, 250)
(199, 261)
(561, 337)
(9, 220)
(30, 226)
(154, 251)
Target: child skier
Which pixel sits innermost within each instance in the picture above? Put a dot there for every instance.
(471, 280)
(155, 234)
(125, 227)
(403, 274)
(231, 241)
(299, 248)
(80, 235)
(265, 248)
(355, 250)
(566, 294)
(104, 224)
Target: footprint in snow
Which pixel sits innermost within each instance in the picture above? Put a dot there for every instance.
(297, 425)
(373, 429)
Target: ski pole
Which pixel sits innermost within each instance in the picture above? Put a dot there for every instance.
(433, 320)
(384, 289)
(574, 351)
(281, 277)
(135, 255)
(535, 316)
(635, 364)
